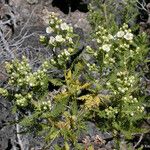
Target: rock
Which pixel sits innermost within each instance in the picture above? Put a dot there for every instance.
(110, 145)
(32, 1)
(7, 132)
(107, 136)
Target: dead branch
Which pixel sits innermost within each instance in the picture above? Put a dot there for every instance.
(139, 141)
(142, 6)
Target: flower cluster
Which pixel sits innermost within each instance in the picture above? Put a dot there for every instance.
(129, 99)
(21, 73)
(45, 65)
(3, 92)
(124, 87)
(106, 47)
(23, 79)
(123, 83)
(111, 112)
(113, 49)
(91, 67)
(56, 24)
(63, 57)
(18, 71)
(104, 39)
(125, 33)
(22, 100)
(126, 82)
(45, 105)
(91, 51)
(60, 38)
(36, 78)
(62, 32)
(108, 60)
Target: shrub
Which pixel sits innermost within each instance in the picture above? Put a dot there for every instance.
(101, 83)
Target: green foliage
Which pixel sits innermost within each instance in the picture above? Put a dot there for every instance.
(112, 13)
(116, 56)
(107, 72)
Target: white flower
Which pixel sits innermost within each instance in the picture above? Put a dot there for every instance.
(49, 30)
(88, 64)
(51, 40)
(57, 26)
(30, 84)
(125, 26)
(52, 14)
(122, 90)
(98, 40)
(132, 114)
(66, 52)
(52, 60)
(110, 37)
(106, 47)
(64, 26)
(59, 38)
(120, 34)
(142, 108)
(128, 36)
(70, 50)
(51, 21)
(95, 54)
(45, 108)
(108, 84)
(19, 80)
(42, 38)
(70, 40)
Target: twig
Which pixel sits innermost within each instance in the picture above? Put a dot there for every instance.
(139, 141)
(142, 6)
(6, 45)
(18, 135)
(25, 25)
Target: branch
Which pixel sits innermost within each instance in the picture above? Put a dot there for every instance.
(18, 134)
(25, 25)
(139, 141)
(142, 6)
(6, 45)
